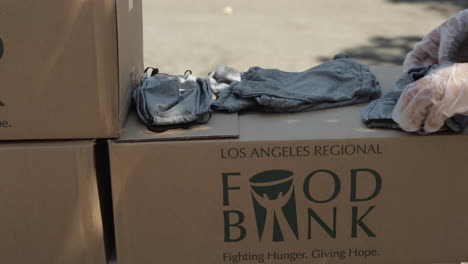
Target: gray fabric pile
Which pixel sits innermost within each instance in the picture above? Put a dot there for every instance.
(336, 83)
(171, 101)
(167, 100)
(378, 114)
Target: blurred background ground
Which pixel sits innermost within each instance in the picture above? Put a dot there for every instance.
(290, 35)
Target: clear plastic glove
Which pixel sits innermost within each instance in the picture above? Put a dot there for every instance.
(446, 43)
(428, 102)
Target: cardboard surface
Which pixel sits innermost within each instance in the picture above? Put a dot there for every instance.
(220, 126)
(335, 123)
(182, 203)
(62, 73)
(330, 193)
(130, 43)
(49, 203)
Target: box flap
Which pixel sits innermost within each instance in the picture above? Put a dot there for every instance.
(221, 125)
(130, 45)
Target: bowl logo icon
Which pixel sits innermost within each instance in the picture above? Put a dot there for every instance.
(274, 202)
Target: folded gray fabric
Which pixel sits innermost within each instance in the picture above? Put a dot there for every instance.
(164, 99)
(378, 114)
(339, 82)
(222, 78)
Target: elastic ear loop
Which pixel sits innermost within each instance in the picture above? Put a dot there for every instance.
(203, 119)
(154, 71)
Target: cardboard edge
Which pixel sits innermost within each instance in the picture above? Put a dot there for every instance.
(58, 144)
(234, 132)
(118, 118)
(124, 108)
(176, 139)
(103, 179)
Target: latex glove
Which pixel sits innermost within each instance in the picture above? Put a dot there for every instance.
(428, 102)
(446, 43)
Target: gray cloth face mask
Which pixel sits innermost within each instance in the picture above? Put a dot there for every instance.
(163, 99)
(336, 83)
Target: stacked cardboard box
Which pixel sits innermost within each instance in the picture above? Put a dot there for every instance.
(67, 69)
(315, 187)
(50, 205)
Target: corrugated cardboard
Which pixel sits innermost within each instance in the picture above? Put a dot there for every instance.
(315, 188)
(49, 204)
(223, 125)
(67, 67)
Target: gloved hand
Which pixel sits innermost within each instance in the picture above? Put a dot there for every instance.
(446, 43)
(428, 102)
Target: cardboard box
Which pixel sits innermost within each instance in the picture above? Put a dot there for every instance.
(316, 187)
(49, 204)
(67, 68)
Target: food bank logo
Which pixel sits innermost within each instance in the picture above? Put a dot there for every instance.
(277, 217)
(274, 202)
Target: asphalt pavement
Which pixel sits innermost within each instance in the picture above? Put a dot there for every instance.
(289, 35)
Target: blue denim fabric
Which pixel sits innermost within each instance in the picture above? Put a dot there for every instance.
(378, 114)
(172, 99)
(339, 82)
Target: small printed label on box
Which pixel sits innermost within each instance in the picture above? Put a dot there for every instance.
(130, 5)
(293, 256)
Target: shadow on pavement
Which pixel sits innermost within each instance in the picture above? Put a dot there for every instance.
(458, 3)
(382, 50)
(437, 5)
